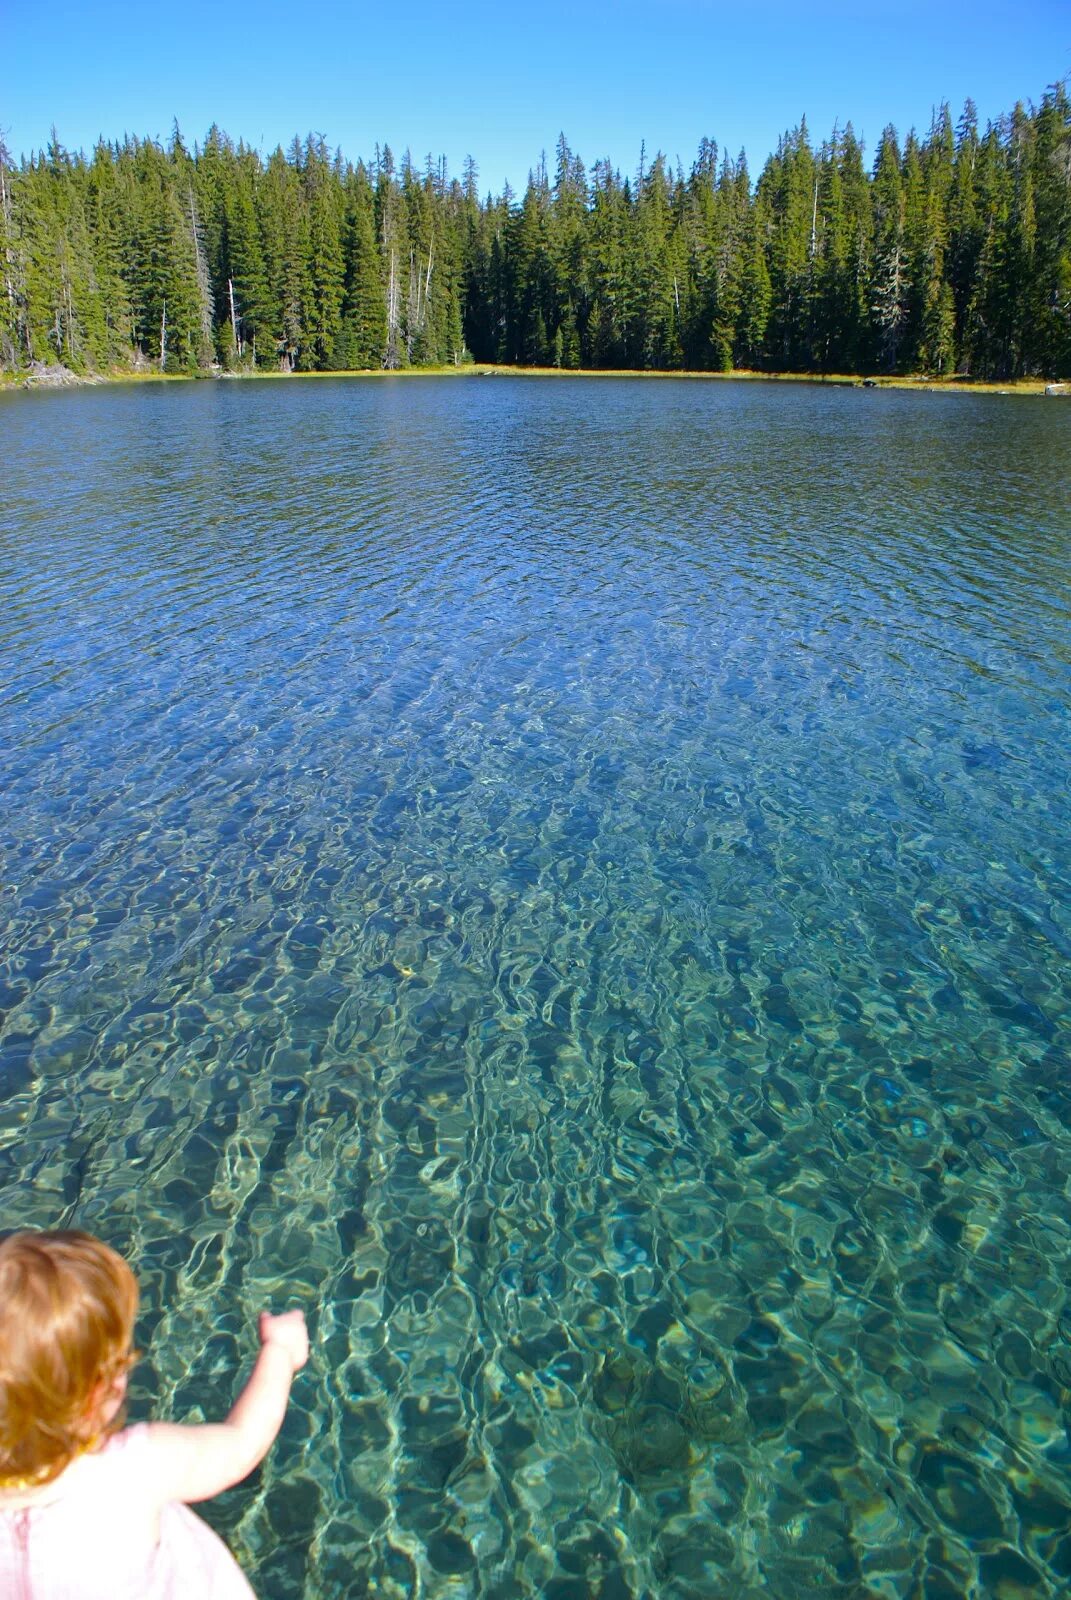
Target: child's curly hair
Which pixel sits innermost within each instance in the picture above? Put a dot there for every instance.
(67, 1308)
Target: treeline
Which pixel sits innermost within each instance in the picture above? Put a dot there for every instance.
(951, 254)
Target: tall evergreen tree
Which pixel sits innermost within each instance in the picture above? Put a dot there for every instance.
(247, 301)
(890, 282)
(955, 253)
(323, 280)
(1048, 317)
(362, 335)
(13, 331)
(789, 185)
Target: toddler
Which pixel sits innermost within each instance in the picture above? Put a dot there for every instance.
(90, 1510)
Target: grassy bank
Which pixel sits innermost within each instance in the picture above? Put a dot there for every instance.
(55, 377)
(844, 380)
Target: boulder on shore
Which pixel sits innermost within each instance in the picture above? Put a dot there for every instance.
(53, 375)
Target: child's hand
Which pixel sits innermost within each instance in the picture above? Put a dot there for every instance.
(289, 1332)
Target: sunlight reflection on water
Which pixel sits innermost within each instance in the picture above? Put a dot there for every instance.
(570, 882)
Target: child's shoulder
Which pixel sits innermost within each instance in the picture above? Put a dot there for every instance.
(132, 1439)
(137, 1455)
(135, 1449)
(141, 1440)
(125, 1452)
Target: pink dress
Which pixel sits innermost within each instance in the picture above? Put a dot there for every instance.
(91, 1536)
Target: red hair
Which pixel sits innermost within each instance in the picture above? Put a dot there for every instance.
(67, 1308)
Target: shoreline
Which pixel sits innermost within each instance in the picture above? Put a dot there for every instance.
(63, 378)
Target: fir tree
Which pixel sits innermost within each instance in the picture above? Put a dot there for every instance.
(955, 253)
(324, 275)
(890, 283)
(362, 336)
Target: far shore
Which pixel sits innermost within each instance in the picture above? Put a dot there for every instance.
(56, 377)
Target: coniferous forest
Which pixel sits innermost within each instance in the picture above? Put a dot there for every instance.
(949, 254)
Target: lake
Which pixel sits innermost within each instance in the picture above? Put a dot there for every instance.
(570, 882)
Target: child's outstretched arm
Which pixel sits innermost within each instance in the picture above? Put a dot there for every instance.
(194, 1463)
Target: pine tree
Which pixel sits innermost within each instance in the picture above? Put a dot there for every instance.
(424, 304)
(392, 232)
(955, 254)
(989, 314)
(922, 255)
(934, 299)
(851, 247)
(248, 302)
(362, 336)
(13, 330)
(699, 227)
(611, 305)
(756, 290)
(323, 279)
(64, 311)
(789, 187)
(568, 286)
(654, 338)
(890, 282)
(966, 234)
(533, 303)
(1048, 315)
(105, 202)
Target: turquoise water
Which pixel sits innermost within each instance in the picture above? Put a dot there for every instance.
(570, 883)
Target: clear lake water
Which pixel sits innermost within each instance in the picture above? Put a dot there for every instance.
(570, 882)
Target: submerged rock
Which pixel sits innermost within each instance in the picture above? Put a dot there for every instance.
(651, 1440)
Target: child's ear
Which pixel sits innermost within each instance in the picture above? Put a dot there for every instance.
(105, 1400)
(112, 1399)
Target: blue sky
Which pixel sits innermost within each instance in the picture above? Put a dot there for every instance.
(500, 81)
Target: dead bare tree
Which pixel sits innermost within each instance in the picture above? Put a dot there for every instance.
(15, 331)
(204, 289)
(393, 357)
(235, 324)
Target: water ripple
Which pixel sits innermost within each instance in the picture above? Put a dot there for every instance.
(571, 882)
